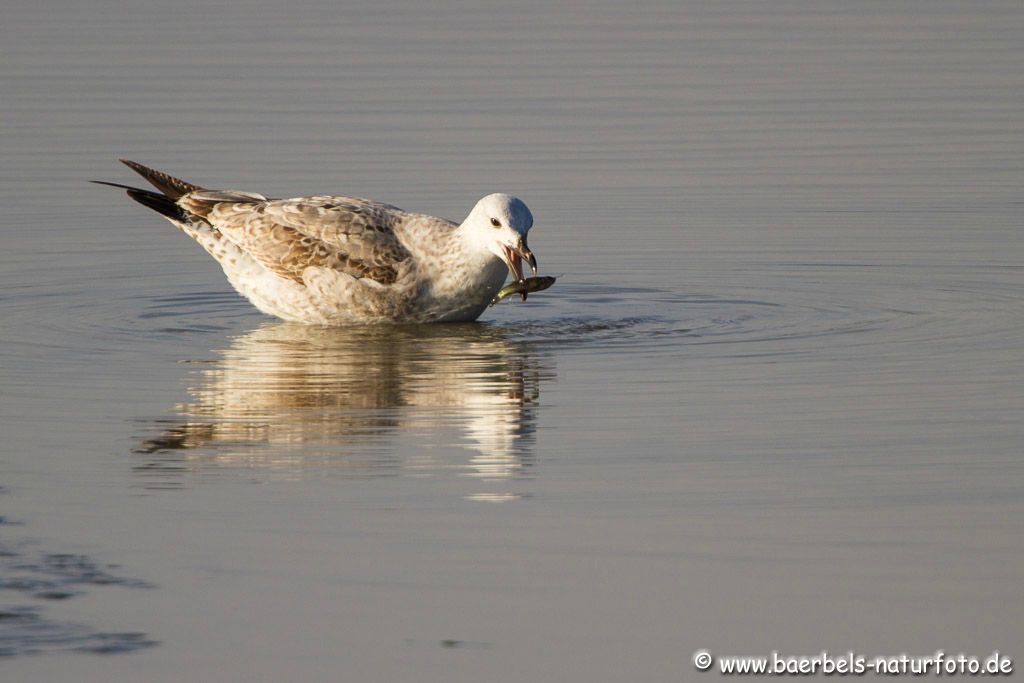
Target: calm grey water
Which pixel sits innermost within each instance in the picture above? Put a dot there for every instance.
(773, 403)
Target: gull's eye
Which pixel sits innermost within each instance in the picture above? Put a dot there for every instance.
(495, 222)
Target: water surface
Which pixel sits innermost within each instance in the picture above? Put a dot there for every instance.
(773, 402)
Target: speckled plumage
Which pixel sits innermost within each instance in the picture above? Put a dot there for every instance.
(332, 259)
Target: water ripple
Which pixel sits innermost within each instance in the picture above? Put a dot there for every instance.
(35, 575)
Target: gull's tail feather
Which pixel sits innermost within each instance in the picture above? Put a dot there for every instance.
(158, 202)
(173, 187)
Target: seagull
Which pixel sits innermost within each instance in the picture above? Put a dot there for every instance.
(336, 260)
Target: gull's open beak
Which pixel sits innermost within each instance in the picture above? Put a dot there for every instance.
(528, 256)
(514, 257)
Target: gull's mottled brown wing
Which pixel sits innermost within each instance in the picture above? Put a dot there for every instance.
(352, 236)
(362, 229)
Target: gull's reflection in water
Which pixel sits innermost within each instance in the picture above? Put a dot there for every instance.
(294, 401)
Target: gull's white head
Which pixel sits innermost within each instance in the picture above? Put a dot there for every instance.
(499, 223)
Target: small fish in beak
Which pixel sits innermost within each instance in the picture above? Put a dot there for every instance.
(524, 287)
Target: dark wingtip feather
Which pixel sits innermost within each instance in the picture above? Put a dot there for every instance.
(158, 202)
(104, 182)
